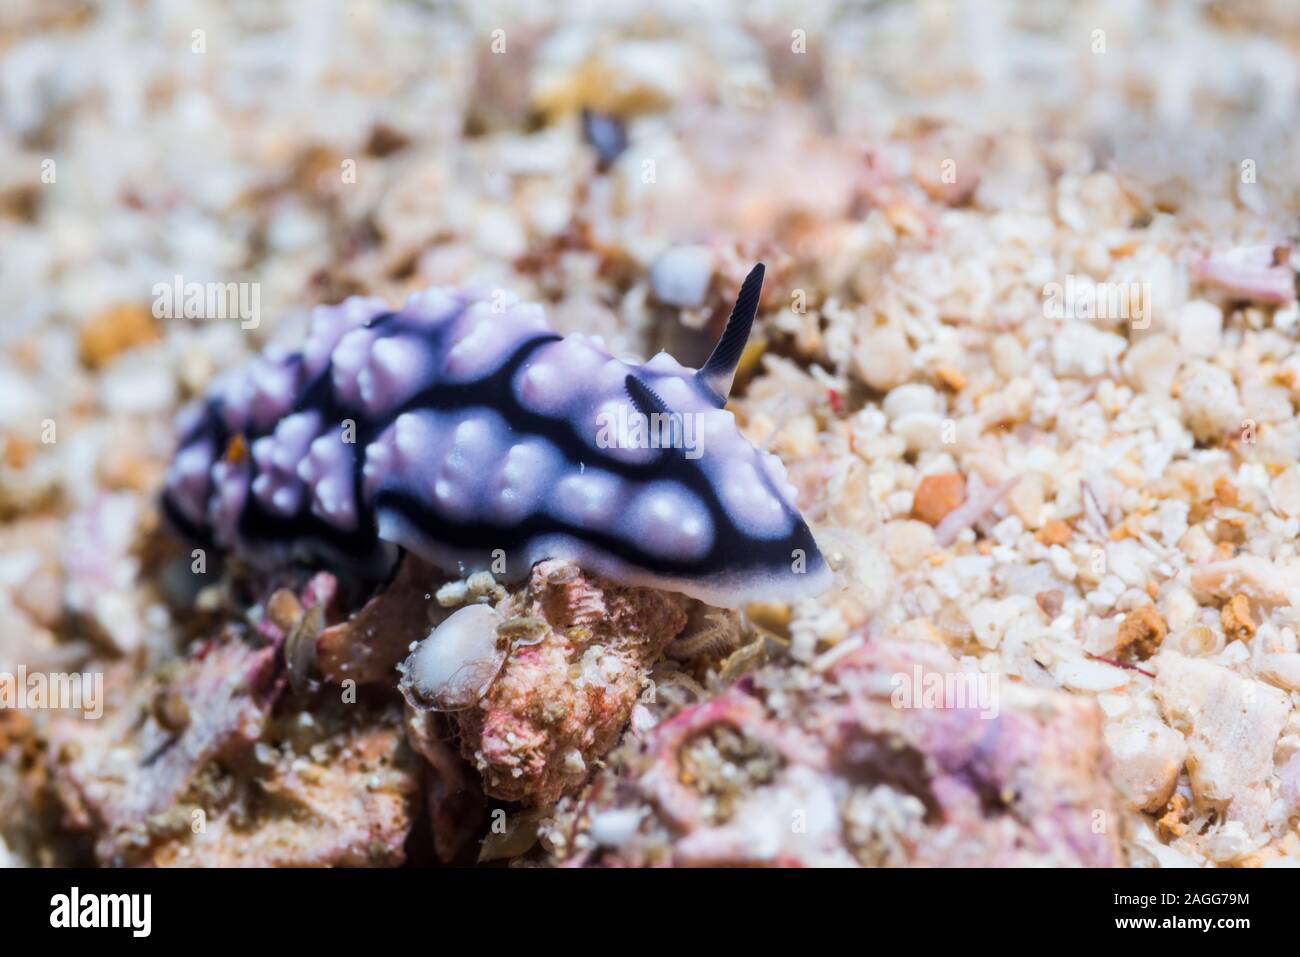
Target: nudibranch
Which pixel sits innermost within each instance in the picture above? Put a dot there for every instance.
(463, 429)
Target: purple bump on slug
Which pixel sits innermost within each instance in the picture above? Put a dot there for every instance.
(676, 391)
(591, 497)
(330, 323)
(272, 388)
(395, 369)
(669, 521)
(189, 479)
(347, 361)
(482, 338)
(277, 485)
(744, 495)
(478, 440)
(234, 396)
(545, 385)
(661, 363)
(528, 470)
(230, 481)
(433, 306)
(407, 454)
(327, 473)
(189, 418)
(775, 471)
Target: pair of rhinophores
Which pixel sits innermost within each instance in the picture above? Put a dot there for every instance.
(462, 428)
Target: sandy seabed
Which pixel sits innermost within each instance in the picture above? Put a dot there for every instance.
(1027, 348)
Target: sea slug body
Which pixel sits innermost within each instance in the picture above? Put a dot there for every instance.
(462, 428)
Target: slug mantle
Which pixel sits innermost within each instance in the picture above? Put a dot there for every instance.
(463, 429)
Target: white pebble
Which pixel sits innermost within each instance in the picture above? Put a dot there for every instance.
(1200, 328)
(680, 276)
(452, 668)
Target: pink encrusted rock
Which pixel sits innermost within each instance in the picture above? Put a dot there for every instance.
(453, 798)
(562, 702)
(353, 810)
(820, 768)
(1026, 786)
(207, 763)
(128, 768)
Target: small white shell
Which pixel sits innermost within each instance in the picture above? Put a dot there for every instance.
(452, 668)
